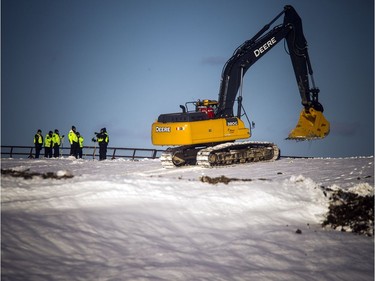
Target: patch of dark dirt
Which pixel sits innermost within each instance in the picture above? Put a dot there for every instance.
(224, 179)
(27, 174)
(350, 212)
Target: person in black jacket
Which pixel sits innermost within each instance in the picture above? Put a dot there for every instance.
(103, 139)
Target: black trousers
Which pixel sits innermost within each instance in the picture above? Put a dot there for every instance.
(80, 152)
(74, 149)
(103, 150)
(56, 150)
(38, 148)
(48, 152)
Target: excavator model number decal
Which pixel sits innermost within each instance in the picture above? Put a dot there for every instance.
(232, 122)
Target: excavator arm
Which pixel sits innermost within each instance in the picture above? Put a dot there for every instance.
(311, 124)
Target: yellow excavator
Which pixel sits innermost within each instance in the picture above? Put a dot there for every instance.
(206, 133)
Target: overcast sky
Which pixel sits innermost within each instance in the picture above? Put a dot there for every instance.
(119, 64)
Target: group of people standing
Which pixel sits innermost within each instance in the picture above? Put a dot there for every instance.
(53, 141)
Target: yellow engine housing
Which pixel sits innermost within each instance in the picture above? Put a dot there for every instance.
(198, 132)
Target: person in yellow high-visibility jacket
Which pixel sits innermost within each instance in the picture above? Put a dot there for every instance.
(73, 140)
(48, 145)
(38, 141)
(56, 139)
(80, 145)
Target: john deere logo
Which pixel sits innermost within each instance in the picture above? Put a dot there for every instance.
(163, 129)
(266, 46)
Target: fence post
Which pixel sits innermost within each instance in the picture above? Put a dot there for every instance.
(134, 153)
(31, 153)
(93, 153)
(114, 154)
(154, 154)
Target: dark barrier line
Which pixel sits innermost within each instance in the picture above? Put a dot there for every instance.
(88, 151)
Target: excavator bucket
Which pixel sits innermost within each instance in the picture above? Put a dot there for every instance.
(311, 125)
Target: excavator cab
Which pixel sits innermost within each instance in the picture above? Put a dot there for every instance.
(207, 106)
(311, 125)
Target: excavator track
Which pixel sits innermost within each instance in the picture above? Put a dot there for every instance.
(237, 153)
(221, 154)
(179, 156)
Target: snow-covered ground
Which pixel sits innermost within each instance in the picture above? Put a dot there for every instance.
(134, 220)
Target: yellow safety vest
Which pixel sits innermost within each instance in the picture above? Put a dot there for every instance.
(80, 140)
(48, 141)
(56, 139)
(106, 139)
(72, 137)
(38, 139)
